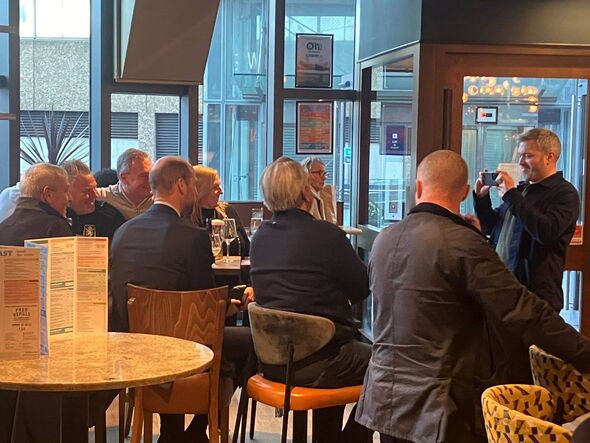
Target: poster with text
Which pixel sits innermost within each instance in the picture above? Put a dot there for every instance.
(75, 272)
(314, 128)
(313, 60)
(20, 302)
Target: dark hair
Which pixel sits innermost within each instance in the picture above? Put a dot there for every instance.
(106, 177)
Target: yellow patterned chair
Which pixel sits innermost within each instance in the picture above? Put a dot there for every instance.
(563, 381)
(521, 413)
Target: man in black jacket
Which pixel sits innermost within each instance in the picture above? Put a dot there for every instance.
(532, 228)
(41, 209)
(159, 250)
(89, 217)
(436, 285)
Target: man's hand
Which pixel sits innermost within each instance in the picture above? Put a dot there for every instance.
(505, 183)
(248, 297)
(479, 188)
(233, 307)
(473, 220)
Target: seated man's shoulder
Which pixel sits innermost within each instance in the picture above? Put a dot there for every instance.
(109, 211)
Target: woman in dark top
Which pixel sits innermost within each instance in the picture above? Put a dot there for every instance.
(209, 207)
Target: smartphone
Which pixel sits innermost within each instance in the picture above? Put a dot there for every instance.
(489, 178)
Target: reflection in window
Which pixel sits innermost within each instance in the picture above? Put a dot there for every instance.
(336, 19)
(233, 102)
(391, 141)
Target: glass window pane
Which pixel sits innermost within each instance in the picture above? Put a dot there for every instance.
(335, 18)
(54, 89)
(141, 121)
(391, 139)
(338, 164)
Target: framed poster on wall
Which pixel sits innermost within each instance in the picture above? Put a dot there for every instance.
(313, 60)
(314, 128)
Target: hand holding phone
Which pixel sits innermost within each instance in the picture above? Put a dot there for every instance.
(489, 178)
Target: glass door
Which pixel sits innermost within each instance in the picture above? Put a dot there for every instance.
(388, 116)
(497, 109)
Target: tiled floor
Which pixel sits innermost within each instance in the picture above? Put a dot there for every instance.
(268, 427)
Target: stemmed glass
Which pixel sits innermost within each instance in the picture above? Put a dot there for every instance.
(256, 220)
(216, 244)
(229, 233)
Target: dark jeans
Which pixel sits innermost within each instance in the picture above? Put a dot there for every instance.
(237, 343)
(346, 368)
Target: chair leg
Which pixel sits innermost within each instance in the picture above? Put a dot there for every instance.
(130, 404)
(122, 396)
(242, 410)
(224, 423)
(137, 417)
(148, 427)
(213, 421)
(299, 426)
(252, 418)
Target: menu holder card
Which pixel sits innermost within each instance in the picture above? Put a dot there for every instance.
(20, 302)
(75, 272)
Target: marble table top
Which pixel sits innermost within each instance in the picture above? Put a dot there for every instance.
(98, 361)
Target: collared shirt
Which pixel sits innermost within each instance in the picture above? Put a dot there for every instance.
(115, 197)
(160, 202)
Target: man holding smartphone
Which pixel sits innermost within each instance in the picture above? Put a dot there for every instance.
(532, 228)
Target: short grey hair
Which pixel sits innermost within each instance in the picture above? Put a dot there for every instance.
(39, 176)
(75, 168)
(310, 161)
(127, 158)
(547, 140)
(282, 184)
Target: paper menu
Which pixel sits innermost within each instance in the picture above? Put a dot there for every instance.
(20, 302)
(75, 271)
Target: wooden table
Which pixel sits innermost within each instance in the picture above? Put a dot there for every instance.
(103, 361)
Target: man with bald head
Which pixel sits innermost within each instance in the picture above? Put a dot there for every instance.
(436, 284)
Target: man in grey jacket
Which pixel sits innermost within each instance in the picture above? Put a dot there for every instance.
(436, 284)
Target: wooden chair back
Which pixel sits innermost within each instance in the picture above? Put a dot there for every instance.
(191, 315)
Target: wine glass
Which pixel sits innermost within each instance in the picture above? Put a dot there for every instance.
(229, 233)
(216, 244)
(255, 223)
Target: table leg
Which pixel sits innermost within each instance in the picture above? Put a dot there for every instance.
(74, 418)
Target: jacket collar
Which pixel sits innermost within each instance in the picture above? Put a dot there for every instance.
(163, 209)
(289, 213)
(432, 208)
(36, 205)
(549, 182)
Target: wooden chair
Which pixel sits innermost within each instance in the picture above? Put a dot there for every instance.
(192, 315)
(521, 413)
(563, 381)
(285, 338)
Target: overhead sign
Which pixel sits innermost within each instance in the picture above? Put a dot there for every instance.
(486, 114)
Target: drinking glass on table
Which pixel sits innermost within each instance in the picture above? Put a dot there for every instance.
(229, 233)
(255, 220)
(216, 244)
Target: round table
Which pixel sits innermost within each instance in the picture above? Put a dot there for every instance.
(80, 364)
(98, 361)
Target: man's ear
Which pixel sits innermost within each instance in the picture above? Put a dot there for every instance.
(419, 188)
(45, 194)
(181, 186)
(466, 193)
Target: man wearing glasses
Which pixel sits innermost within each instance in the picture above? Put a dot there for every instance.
(324, 206)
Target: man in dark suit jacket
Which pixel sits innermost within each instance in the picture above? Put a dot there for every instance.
(41, 209)
(159, 250)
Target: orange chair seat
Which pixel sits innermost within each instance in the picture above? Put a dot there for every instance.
(302, 399)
